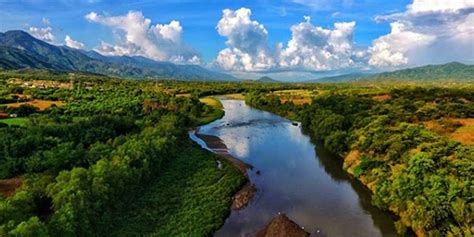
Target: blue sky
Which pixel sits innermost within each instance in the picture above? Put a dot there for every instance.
(200, 36)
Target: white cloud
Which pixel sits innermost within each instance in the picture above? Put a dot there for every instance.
(429, 31)
(315, 48)
(247, 42)
(311, 48)
(46, 21)
(423, 6)
(72, 43)
(45, 34)
(139, 37)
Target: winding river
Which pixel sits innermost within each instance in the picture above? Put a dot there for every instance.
(297, 177)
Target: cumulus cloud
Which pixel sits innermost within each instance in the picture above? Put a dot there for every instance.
(247, 42)
(423, 6)
(311, 47)
(72, 43)
(45, 33)
(315, 48)
(429, 31)
(138, 36)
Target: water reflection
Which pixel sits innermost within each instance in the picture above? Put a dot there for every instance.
(297, 178)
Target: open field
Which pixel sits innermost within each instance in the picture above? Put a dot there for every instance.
(14, 121)
(296, 92)
(237, 96)
(211, 101)
(40, 104)
(458, 129)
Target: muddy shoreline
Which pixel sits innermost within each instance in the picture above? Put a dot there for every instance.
(243, 197)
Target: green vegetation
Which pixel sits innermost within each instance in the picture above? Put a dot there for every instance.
(444, 72)
(15, 121)
(424, 177)
(106, 147)
(116, 147)
(195, 205)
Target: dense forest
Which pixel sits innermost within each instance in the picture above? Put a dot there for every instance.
(84, 147)
(385, 138)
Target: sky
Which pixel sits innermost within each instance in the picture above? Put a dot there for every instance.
(286, 39)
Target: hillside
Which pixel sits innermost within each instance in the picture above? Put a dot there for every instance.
(450, 71)
(266, 79)
(20, 50)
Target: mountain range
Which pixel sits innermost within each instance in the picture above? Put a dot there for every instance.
(450, 71)
(19, 50)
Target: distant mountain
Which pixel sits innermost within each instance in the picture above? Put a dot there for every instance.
(266, 79)
(339, 78)
(20, 50)
(450, 71)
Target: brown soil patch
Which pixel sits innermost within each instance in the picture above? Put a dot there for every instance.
(463, 134)
(465, 101)
(184, 95)
(299, 101)
(212, 142)
(235, 96)
(381, 98)
(40, 104)
(282, 226)
(9, 186)
(464, 121)
(218, 147)
(351, 160)
(242, 198)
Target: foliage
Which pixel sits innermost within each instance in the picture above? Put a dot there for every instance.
(423, 177)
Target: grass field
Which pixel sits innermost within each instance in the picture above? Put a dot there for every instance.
(298, 97)
(211, 101)
(464, 133)
(196, 204)
(40, 104)
(15, 121)
(238, 96)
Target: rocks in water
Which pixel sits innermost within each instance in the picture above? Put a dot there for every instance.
(242, 198)
(282, 226)
(258, 173)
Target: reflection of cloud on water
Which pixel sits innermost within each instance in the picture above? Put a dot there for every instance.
(295, 134)
(238, 145)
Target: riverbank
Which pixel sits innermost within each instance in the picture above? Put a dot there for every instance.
(242, 198)
(386, 147)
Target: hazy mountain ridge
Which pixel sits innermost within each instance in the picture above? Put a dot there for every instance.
(449, 71)
(266, 79)
(20, 50)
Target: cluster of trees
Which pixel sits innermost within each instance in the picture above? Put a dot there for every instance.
(422, 176)
(83, 163)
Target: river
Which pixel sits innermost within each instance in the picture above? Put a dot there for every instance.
(297, 177)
